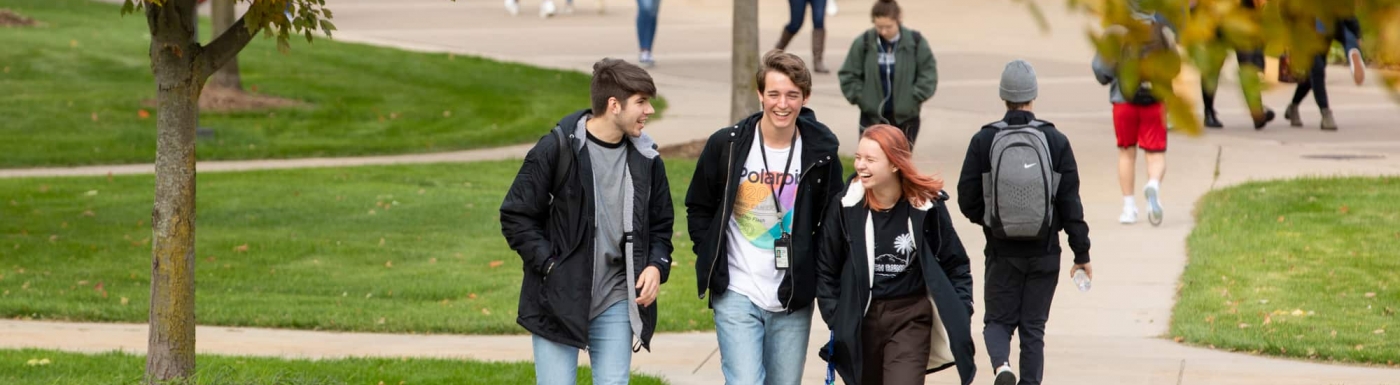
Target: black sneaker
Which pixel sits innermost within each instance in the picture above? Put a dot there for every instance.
(1268, 117)
(1005, 376)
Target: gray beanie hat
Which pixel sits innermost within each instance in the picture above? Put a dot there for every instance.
(1018, 83)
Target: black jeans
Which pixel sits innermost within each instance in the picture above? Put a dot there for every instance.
(1018, 295)
(1316, 82)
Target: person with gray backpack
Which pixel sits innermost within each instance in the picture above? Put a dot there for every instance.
(1021, 184)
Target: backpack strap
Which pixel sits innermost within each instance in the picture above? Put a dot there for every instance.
(1002, 124)
(565, 159)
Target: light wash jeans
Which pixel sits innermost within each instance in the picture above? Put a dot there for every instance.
(609, 352)
(759, 347)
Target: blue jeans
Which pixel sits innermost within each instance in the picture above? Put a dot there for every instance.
(609, 352)
(646, 21)
(798, 8)
(760, 347)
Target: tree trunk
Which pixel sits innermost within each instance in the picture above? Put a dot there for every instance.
(170, 354)
(223, 17)
(743, 98)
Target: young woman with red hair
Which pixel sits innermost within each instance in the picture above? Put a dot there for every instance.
(893, 282)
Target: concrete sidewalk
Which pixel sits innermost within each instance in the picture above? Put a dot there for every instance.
(1114, 334)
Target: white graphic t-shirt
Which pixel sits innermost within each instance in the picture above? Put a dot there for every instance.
(758, 220)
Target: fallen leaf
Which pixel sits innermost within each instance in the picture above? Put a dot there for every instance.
(432, 261)
(125, 301)
(1177, 339)
(447, 114)
(1268, 319)
(421, 191)
(393, 115)
(389, 264)
(1344, 209)
(1370, 295)
(1244, 326)
(241, 248)
(91, 193)
(83, 282)
(89, 213)
(371, 212)
(1280, 219)
(381, 241)
(7, 69)
(495, 264)
(381, 322)
(1334, 334)
(1378, 331)
(1263, 301)
(368, 295)
(472, 296)
(1359, 347)
(485, 311)
(53, 238)
(143, 114)
(94, 116)
(1297, 312)
(73, 43)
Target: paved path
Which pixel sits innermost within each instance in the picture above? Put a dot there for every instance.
(1114, 334)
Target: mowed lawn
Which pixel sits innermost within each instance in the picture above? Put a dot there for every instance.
(32, 366)
(1300, 268)
(405, 249)
(73, 91)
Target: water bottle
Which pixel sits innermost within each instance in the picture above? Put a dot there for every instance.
(1082, 280)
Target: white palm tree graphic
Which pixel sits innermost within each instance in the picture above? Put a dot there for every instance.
(904, 244)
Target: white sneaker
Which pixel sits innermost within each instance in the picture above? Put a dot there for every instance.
(1129, 216)
(1154, 205)
(831, 8)
(646, 60)
(513, 7)
(547, 8)
(1358, 66)
(1005, 376)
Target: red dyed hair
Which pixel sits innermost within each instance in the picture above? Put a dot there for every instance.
(917, 188)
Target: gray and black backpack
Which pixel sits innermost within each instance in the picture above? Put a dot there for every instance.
(1020, 189)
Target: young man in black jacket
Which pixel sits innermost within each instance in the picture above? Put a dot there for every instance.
(592, 223)
(754, 225)
(1021, 275)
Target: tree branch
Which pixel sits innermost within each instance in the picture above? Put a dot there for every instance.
(222, 49)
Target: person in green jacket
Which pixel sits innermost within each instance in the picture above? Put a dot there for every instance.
(890, 72)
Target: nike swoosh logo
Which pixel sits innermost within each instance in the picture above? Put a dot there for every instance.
(1030, 165)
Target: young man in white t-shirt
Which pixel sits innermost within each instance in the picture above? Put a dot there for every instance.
(758, 195)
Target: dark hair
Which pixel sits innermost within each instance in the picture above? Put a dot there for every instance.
(786, 64)
(1016, 105)
(615, 78)
(885, 8)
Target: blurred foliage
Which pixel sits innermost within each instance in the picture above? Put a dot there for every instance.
(1207, 30)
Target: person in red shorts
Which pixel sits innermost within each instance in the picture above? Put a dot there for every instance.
(1139, 122)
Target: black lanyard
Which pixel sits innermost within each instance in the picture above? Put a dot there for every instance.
(763, 152)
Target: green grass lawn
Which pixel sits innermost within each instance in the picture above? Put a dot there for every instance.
(72, 90)
(1299, 268)
(29, 367)
(386, 249)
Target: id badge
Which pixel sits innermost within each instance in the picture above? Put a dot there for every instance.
(782, 252)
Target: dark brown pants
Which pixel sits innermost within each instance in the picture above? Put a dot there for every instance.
(895, 341)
